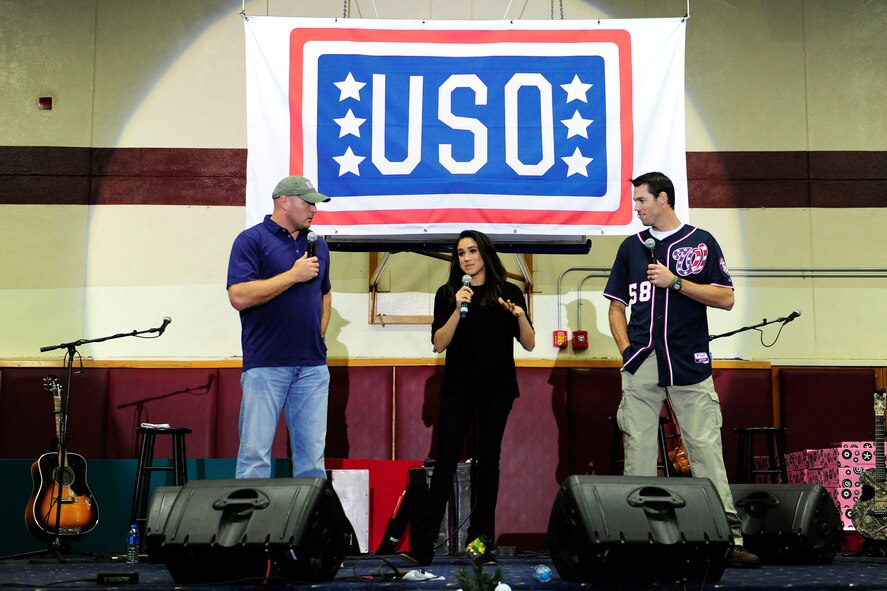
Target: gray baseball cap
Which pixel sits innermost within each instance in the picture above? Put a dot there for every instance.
(298, 186)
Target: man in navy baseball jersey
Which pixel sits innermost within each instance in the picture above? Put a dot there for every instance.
(669, 274)
(279, 281)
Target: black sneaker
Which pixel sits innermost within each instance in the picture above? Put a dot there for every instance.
(417, 558)
(741, 558)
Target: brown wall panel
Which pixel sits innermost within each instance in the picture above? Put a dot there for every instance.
(849, 193)
(167, 190)
(747, 165)
(41, 189)
(848, 165)
(182, 176)
(729, 194)
(41, 160)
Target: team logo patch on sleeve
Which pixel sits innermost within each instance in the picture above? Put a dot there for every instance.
(723, 264)
(701, 357)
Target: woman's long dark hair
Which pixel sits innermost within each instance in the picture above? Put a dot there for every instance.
(495, 271)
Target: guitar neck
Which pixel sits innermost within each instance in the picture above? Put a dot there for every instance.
(880, 412)
(879, 450)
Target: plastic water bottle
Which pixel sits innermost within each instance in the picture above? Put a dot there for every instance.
(132, 544)
(542, 573)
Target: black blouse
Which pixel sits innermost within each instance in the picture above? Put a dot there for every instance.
(481, 355)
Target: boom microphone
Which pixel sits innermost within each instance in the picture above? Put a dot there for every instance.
(166, 322)
(651, 244)
(792, 316)
(312, 244)
(463, 309)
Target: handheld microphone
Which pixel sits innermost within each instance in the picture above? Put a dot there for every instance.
(166, 322)
(312, 244)
(463, 309)
(651, 244)
(792, 316)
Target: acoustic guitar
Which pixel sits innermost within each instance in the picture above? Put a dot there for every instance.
(677, 456)
(60, 478)
(869, 515)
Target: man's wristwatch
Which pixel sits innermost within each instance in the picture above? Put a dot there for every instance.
(676, 283)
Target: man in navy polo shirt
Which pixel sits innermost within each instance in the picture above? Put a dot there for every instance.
(284, 298)
(669, 275)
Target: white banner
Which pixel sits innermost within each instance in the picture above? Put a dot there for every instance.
(523, 128)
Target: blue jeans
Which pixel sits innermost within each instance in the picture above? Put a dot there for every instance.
(302, 394)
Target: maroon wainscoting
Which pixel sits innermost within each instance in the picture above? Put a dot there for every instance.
(821, 406)
(180, 397)
(559, 425)
(27, 425)
(416, 408)
(531, 458)
(594, 395)
(746, 401)
(359, 419)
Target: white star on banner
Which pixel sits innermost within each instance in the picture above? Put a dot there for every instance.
(576, 89)
(349, 88)
(350, 125)
(348, 162)
(576, 125)
(577, 163)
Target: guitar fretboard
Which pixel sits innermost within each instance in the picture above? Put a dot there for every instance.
(880, 405)
(879, 450)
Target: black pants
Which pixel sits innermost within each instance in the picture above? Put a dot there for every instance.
(457, 414)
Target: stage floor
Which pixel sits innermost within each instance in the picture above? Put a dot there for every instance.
(363, 572)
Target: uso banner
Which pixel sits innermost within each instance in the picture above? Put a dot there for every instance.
(524, 128)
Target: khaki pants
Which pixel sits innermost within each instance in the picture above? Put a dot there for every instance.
(698, 411)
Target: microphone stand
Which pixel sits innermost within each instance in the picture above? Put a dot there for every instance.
(55, 544)
(765, 322)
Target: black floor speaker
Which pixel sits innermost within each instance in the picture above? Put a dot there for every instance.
(452, 537)
(642, 529)
(410, 510)
(214, 531)
(789, 523)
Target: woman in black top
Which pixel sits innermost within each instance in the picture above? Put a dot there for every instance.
(479, 382)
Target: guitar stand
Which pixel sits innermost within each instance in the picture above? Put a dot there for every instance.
(56, 545)
(57, 551)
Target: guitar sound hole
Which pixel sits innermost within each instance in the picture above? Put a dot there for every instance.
(63, 476)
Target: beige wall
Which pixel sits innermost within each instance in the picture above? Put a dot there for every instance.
(777, 75)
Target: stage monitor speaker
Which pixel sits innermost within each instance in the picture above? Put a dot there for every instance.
(789, 523)
(213, 531)
(452, 537)
(640, 529)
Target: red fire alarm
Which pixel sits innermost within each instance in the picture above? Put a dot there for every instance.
(580, 339)
(560, 339)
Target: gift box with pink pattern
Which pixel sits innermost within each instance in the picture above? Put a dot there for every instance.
(837, 469)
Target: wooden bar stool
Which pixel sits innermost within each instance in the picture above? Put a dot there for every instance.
(618, 465)
(179, 468)
(775, 441)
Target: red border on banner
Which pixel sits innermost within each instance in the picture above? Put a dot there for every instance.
(620, 38)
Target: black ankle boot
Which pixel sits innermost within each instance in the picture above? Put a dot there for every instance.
(421, 550)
